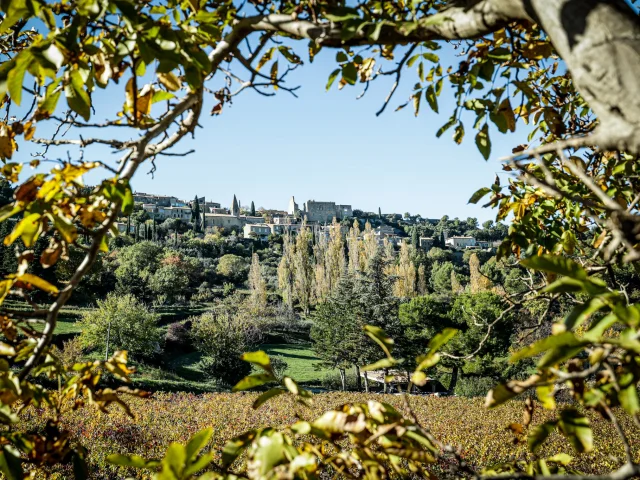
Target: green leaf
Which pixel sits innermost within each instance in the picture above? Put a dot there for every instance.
(274, 392)
(432, 99)
(483, 142)
(458, 133)
(556, 264)
(580, 313)
(446, 126)
(628, 398)
(234, 447)
(174, 460)
(576, 428)
(341, 57)
(432, 57)
(564, 339)
(135, 461)
(475, 198)
(350, 73)
(77, 99)
(198, 442)
(332, 78)
(15, 79)
(499, 53)
(561, 458)
(379, 336)
(500, 394)
(441, 339)
(10, 463)
(539, 434)
(380, 364)
(252, 381)
(546, 396)
(259, 358)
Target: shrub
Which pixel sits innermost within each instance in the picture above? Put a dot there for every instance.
(223, 336)
(126, 321)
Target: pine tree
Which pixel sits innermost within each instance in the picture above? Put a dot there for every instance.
(355, 248)
(257, 286)
(253, 209)
(304, 273)
(286, 271)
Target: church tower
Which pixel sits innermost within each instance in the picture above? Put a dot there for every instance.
(235, 208)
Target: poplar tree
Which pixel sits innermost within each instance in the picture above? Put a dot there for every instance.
(257, 286)
(405, 273)
(286, 271)
(355, 247)
(335, 260)
(477, 281)
(422, 280)
(303, 270)
(370, 245)
(321, 283)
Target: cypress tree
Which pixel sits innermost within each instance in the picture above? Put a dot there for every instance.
(155, 231)
(129, 225)
(415, 238)
(253, 209)
(379, 213)
(195, 215)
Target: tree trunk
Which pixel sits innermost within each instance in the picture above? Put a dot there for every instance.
(454, 380)
(384, 388)
(358, 380)
(366, 382)
(343, 379)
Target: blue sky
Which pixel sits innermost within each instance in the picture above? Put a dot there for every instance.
(326, 146)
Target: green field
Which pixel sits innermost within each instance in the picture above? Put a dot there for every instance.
(301, 361)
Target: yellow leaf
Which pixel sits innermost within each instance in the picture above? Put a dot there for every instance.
(28, 229)
(507, 112)
(7, 350)
(5, 287)
(7, 144)
(38, 282)
(170, 81)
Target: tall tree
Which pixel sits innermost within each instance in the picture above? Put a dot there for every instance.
(335, 263)
(355, 247)
(405, 273)
(196, 216)
(286, 271)
(253, 209)
(257, 286)
(304, 271)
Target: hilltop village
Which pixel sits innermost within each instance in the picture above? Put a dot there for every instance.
(202, 216)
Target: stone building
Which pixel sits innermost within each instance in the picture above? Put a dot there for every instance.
(319, 212)
(230, 220)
